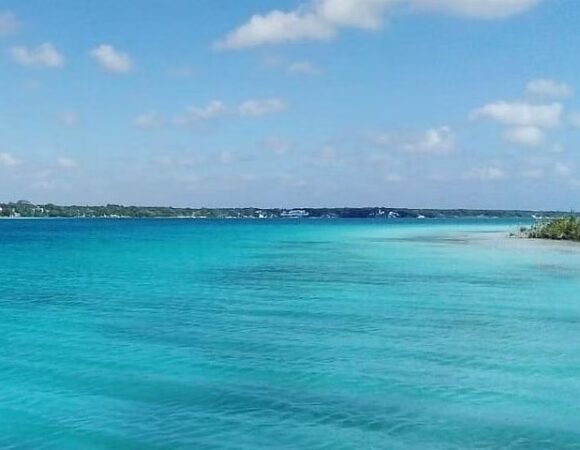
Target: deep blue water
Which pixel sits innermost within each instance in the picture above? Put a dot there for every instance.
(163, 334)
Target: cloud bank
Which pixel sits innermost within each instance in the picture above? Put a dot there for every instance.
(322, 20)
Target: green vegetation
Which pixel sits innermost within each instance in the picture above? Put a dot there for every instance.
(29, 210)
(560, 228)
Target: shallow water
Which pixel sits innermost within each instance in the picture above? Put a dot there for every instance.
(287, 334)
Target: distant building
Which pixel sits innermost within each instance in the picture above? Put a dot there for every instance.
(294, 213)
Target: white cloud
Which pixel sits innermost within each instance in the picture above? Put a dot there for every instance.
(7, 160)
(172, 162)
(69, 119)
(562, 169)
(521, 114)
(194, 115)
(276, 27)
(538, 167)
(549, 88)
(112, 60)
(529, 136)
(322, 19)
(433, 141)
(480, 9)
(526, 123)
(45, 55)
(217, 109)
(8, 23)
(148, 121)
(303, 68)
(211, 111)
(486, 173)
(66, 163)
(366, 14)
(261, 107)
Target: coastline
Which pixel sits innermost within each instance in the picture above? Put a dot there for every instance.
(505, 240)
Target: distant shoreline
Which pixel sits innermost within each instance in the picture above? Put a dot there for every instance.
(24, 209)
(258, 219)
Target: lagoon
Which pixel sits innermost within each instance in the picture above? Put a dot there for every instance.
(318, 334)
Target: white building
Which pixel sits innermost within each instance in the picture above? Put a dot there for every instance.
(294, 213)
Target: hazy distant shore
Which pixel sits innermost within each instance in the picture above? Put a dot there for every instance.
(508, 239)
(25, 209)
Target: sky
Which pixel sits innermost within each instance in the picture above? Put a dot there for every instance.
(314, 103)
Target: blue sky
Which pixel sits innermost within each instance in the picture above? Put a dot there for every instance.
(419, 103)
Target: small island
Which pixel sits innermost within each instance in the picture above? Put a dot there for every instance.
(559, 228)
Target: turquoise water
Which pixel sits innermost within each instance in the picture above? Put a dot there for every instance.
(295, 335)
